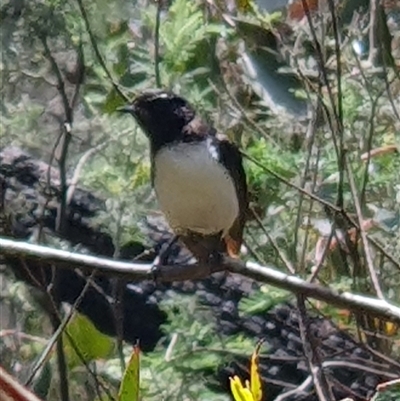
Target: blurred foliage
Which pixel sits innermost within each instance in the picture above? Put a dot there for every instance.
(230, 66)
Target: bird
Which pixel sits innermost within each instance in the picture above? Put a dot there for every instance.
(197, 174)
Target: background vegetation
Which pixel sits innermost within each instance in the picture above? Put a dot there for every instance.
(315, 107)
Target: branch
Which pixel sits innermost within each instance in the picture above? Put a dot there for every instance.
(142, 271)
(96, 50)
(157, 44)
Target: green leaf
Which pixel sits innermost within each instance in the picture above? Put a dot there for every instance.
(90, 343)
(113, 101)
(129, 389)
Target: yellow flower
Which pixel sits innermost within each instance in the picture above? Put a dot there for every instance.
(240, 392)
(250, 391)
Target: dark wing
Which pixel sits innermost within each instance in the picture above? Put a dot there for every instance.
(231, 158)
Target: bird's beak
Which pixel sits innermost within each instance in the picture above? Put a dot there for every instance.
(129, 108)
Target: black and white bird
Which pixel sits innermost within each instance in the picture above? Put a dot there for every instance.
(197, 175)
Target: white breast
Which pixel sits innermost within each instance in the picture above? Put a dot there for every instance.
(194, 191)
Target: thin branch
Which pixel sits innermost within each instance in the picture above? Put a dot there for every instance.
(78, 169)
(62, 144)
(303, 387)
(60, 80)
(339, 109)
(311, 351)
(97, 52)
(56, 335)
(64, 139)
(157, 43)
(61, 360)
(324, 74)
(373, 48)
(62, 165)
(282, 256)
(79, 74)
(364, 238)
(142, 271)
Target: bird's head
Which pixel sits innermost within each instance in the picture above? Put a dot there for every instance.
(162, 115)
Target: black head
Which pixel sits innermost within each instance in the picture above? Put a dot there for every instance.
(162, 115)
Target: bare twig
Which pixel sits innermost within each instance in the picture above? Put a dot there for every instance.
(79, 74)
(311, 136)
(368, 256)
(140, 271)
(97, 52)
(157, 43)
(78, 169)
(302, 388)
(373, 48)
(46, 352)
(281, 255)
(311, 351)
(60, 81)
(64, 141)
(324, 74)
(251, 123)
(61, 360)
(339, 106)
(62, 165)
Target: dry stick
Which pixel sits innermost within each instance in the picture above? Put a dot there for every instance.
(282, 256)
(311, 351)
(311, 135)
(46, 352)
(84, 159)
(310, 207)
(65, 138)
(373, 31)
(369, 147)
(301, 389)
(384, 51)
(364, 238)
(62, 165)
(323, 72)
(67, 193)
(253, 124)
(78, 169)
(389, 93)
(60, 81)
(97, 52)
(118, 291)
(339, 107)
(157, 44)
(374, 103)
(80, 74)
(320, 104)
(141, 271)
(333, 364)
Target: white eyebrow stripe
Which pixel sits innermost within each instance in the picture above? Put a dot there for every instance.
(163, 95)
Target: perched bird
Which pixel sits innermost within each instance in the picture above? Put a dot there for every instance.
(197, 175)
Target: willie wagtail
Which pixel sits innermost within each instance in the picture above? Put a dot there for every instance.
(197, 175)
